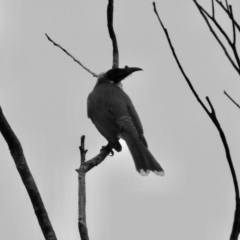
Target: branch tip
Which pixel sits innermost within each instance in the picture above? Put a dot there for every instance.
(112, 35)
(213, 9)
(231, 99)
(70, 55)
(210, 104)
(227, 5)
(156, 12)
(206, 16)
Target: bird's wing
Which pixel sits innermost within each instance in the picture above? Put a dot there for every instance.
(127, 117)
(104, 120)
(137, 123)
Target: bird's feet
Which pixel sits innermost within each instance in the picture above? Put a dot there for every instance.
(113, 145)
(116, 145)
(108, 148)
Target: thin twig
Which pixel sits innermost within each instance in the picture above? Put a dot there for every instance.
(231, 43)
(213, 114)
(27, 178)
(88, 165)
(233, 26)
(231, 99)
(213, 9)
(227, 6)
(70, 55)
(112, 34)
(179, 64)
(203, 12)
(214, 21)
(234, 48)
(228, 13)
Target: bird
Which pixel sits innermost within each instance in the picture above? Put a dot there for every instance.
(113, 113)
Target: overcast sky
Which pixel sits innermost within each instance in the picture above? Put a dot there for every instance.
(43, 95)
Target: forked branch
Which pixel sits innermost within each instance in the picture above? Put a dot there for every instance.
(227, 11)
(84, 168)
(88, 165)
(232, 43)
(213, 117)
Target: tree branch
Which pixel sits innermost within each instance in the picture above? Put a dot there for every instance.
(233, 25)
(228, 13)
(112, 34)
(82, 224)
(205, 14)
(213, 114)
(88, 165)
(234, 48)
(232, 99)
(227, 6)
(27, 178)
(84, 168)
(213, 117)
(178, 62)
(213, 9)
(70, 55)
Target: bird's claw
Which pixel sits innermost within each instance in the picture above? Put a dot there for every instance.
(109, 149)
(111, 153)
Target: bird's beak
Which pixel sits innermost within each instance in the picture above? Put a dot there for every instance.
(127, 71)
(132, 69)
(118, 74)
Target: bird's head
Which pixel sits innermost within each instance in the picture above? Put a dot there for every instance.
(118, 74)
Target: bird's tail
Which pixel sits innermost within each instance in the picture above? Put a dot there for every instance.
(143, 159)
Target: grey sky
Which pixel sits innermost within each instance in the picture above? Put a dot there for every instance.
(43, 95)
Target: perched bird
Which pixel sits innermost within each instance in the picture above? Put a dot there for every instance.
(112, 112)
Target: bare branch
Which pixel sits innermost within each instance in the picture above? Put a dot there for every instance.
(112, 34)
(178, 62)
(228, 13)
(203, 12)
(227, 6)
(27, 178)
(82, 223)
(70, 55)
(232, 99)
(234, 48)
(214, 21)
(213, 9)
(82, 149)
(213, 114)
(84, 168)
(213, 117)
(88, 165)
(233, 26)
(232, 44)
